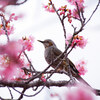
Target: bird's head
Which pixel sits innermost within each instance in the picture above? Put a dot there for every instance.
(47, 43)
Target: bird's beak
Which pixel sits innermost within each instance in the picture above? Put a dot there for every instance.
(40, 41)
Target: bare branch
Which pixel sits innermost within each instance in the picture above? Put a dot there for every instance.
(61, 20)
(29, 61)
(28, 95)
(21, 96)
(10, 92)
(33, 84)
(21, 2)
(93, 12)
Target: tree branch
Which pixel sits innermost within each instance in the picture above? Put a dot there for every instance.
(61, 20)
(33, 84)
(31, 66)
(21, 96)
(93, 12)
(10, 92)
(21, 2)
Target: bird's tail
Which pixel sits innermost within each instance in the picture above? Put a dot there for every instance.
(80, 79)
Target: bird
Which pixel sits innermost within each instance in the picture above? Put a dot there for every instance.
(52, 52)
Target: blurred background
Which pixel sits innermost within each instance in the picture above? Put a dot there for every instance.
(44, 25)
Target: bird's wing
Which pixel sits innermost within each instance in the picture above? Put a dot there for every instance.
(73, 66)
(57, 52)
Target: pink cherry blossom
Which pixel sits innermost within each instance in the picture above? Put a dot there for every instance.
(62, 13)
(73, 2)
(10, 30)
(49, 8)
(8, 26)
(11, 70)
(20, 72)
(12, 49)
(82, 43)
(12, 17)
(80, 6)
(80, 65)
(12, 60)
(75, 13)
(79, 93)
(9, 60)
(69, 36)
(78, 40)
(63, 10)
(27, 43)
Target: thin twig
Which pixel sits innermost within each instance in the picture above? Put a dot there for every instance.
(47, 72)
(21, 96)
(61, 20)
(10, 92)
(71, 49)
(29, 60)
(79, 13)
(29, 95)
(21, 2)
(93, 12)
(55, 69)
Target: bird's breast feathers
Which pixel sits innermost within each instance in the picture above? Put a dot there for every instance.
(49, 56)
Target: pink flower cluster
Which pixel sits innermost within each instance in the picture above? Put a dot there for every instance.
(9, 28)
(12, 17)
(81, 67)
(12, 48)
(80, 6)
(80, 93)
(49, 8)
(77, 40)
(10, 61)
(11, 70)
(63, 10)
(73, 2)
(27, 43)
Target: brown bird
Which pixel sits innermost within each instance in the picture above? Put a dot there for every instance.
(52, 52)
